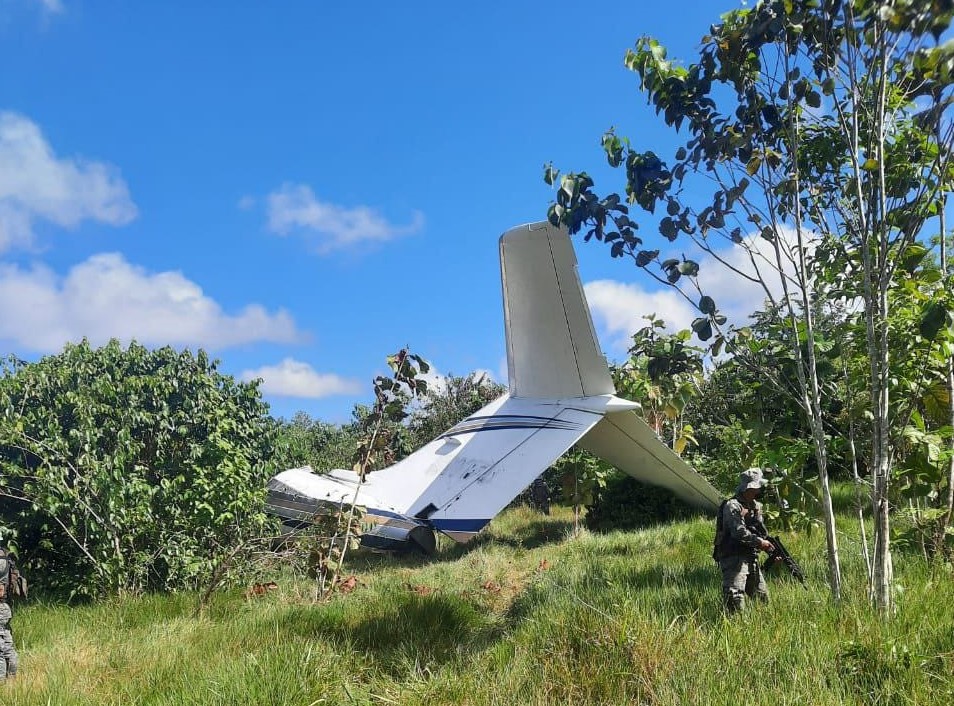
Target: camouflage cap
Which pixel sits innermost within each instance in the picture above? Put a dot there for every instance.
(749, 480)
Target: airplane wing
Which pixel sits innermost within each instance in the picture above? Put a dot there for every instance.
(626, 441)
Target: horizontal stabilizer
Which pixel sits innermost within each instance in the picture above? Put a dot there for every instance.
(627, 442)
(463, 478)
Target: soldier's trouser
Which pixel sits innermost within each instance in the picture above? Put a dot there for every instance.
(741, 577)
(8, 653)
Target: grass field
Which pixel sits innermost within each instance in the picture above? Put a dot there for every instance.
(529, 614)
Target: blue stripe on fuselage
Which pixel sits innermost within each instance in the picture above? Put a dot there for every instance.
(499, 422)
(449, 525)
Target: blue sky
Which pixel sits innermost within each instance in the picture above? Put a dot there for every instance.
(303, 188)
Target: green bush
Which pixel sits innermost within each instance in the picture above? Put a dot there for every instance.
(128, 469)
(626, 504)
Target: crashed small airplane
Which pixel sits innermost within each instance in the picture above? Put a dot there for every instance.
(561, 393)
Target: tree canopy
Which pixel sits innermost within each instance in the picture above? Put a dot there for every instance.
(818, 142)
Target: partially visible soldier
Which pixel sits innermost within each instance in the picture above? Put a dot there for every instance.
(9, 585)
(540, 494)
(737, 545)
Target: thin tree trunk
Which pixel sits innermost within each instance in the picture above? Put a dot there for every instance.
(880, 457)
(859, 495)
(807, 371)
(576, 503)
(821, 451)
(945, 520)
(873, 240)
(949, 506)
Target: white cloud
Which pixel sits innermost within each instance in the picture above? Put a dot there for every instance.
(293, 378)
(107, 297)
(620, 307)
(437, 381)
(738, 297)
(293, 208)
(36, 185)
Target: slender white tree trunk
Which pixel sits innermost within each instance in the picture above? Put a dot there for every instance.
(859, 494)
(880, 451)
(949, 505)
(808, 374)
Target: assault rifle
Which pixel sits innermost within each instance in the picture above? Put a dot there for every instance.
(779, 554)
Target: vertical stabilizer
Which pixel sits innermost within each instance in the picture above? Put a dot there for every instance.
(552, 351)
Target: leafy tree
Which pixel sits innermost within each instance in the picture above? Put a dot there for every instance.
(921, 349)
(127, 469)
(820, 122)
(376, 448)
(663, 374)
(304, 441)
(579, 475)
(453, 401)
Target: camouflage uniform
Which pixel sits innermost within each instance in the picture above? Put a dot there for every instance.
(737, 546)
(540, 495)
(8, 653)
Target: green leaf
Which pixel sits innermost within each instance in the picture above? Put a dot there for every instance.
(703, 328)
(933, 318)
(667, 228)
(644, 257)
(707, 305)
(689, 268)
(914, 254)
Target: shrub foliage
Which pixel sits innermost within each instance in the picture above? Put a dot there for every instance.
(625, 504)
(129, 469)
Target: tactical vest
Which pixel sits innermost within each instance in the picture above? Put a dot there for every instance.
(727, 545)
(12, 584)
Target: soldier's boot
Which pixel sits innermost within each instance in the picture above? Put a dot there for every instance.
(9, 660)
(734, 600)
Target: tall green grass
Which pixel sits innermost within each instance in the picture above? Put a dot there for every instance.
(528, 614)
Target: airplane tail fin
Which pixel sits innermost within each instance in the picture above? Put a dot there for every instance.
(552, 350)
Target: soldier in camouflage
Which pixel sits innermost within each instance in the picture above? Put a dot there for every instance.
(737, 545)
(8, 653)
